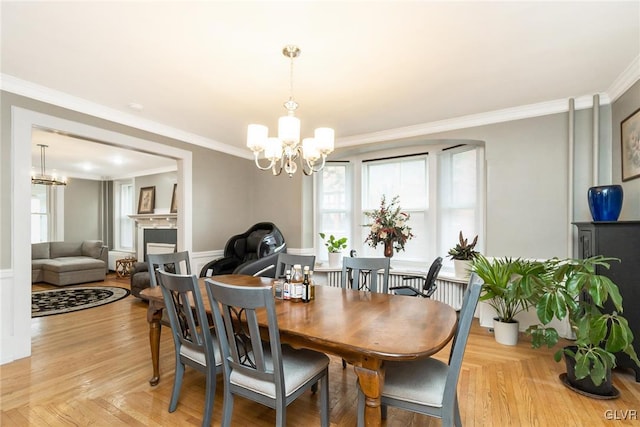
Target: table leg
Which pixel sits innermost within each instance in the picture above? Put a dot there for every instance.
(154, 315)
(371, 379)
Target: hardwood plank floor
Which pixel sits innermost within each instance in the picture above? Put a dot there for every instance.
(92, 368)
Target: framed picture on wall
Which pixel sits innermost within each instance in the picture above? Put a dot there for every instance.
(630, 139)
(174, 201)
(147, 201)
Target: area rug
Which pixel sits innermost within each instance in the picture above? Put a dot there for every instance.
(58, 301)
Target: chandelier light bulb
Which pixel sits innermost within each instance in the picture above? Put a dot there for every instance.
(289, 129)
(257, 137)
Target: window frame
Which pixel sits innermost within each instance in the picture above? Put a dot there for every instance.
(321, 251)
(120, 216)
(433, 210)
(54, 213)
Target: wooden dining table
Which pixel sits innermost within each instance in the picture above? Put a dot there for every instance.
(365, 329)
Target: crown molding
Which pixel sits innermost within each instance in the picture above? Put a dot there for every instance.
(625, 80)
(474, 120)
(44, 94)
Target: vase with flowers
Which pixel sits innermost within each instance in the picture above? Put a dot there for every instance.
(388, 226)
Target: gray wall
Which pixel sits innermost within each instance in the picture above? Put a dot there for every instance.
(621, 109)
(222, 192)
(526, 182)
(163, 183)
(278, 199)
(82, 210)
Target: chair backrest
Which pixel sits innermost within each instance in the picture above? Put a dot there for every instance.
(287, 261)
(175, 262)
(235, 318)
(189, 324)
(362, 274)
(469, 303)
(430, 286)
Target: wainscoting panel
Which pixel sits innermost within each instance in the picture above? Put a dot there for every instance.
(200, 259)
(114, 255)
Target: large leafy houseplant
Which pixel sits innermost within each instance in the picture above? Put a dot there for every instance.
(572, 289)
(502, 288)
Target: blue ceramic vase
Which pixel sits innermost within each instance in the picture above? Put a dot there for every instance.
(605, 202)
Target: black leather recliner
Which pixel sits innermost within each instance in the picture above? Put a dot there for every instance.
(250, 252)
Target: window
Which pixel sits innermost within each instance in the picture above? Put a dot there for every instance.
(39, 213)
(124, 226)
(406, 177)
(459, 207)
(47, 213)
(334, 205)
(442, 191)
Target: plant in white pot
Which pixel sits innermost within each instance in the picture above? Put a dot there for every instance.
(334, 246)
(572, 289)
(462, 254)
(503, 290)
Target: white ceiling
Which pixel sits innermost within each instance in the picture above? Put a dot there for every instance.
(207, 69)
(67, 156)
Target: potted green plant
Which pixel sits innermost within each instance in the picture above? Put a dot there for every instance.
(462, 254)
(571, 289)
(334, 246)
(503, 291)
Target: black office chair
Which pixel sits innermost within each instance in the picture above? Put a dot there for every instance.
(429, 286)
(249, 253)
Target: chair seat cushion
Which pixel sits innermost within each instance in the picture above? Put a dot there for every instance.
(198, 356)
(421, 381)
(298, 366)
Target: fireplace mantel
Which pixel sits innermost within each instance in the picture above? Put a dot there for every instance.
(155, 220)
(151, 221)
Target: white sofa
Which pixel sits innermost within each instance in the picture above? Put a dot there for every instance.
(69, 263)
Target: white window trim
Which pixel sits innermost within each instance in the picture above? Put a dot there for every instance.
(116, 229)
(433, 158)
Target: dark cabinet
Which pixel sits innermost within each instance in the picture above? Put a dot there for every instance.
(619, 239)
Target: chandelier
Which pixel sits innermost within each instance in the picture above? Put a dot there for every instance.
(44, 179)
(283, 151)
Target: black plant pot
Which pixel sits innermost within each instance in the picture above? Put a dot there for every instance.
(605, 389)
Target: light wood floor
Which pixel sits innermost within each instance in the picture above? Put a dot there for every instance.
(91, 368)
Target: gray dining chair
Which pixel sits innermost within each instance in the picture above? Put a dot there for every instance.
(362, 274)
(356, 272)
(174, 262)
(429, 386)
(195, 346)
(269, 373)
(428, 287)
(286, 261)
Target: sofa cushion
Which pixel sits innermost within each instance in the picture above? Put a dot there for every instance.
(40, 250)
(64, 264)
(92, 248)
(36, 264)
(64, 249)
